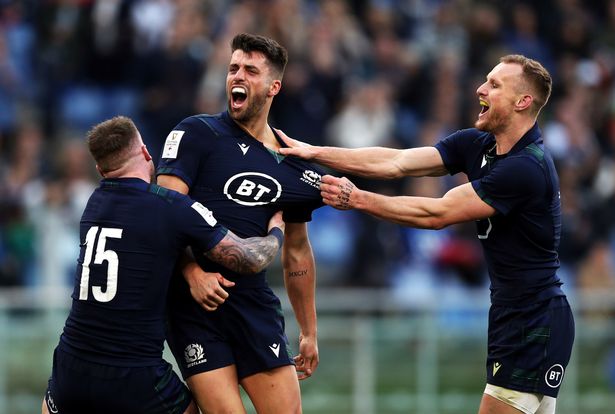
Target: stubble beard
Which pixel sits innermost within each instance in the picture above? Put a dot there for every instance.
(494, 123)
(252, 110)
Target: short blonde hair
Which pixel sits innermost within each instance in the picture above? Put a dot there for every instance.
(537, 77)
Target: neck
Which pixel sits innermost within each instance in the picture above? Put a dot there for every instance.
(260, 130)
(508, 137)
(130, 173)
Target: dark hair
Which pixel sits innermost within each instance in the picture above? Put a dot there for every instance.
(111, 142)
(537, 77)
(273, 51)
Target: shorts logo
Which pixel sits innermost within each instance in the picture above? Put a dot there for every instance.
(496, 367)
(252, 189)
(312, 178)
(50, 404)
(554, 376)
(275, 348)
(194, 355)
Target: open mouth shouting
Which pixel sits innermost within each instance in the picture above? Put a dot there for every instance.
(239, 95)
(484, 107)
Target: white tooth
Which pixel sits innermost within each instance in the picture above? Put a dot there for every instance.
(238, 89)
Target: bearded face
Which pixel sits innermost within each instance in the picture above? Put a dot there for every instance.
(248, 83)
(494, 116)
(497, 97)
(244, 106)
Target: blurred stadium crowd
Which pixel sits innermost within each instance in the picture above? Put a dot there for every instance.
(361, 73)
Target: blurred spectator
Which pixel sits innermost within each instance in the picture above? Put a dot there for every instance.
(55, 212)
(20, 181)
(523, 36)
(485, 35)
(18, 84)
(312, 89)
(16, 245)
(151, 20)
(597, 269)
(170, 75)
(61, 29)
(366, 118)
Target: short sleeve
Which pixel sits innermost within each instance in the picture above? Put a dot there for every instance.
(454, 149)
(197, 224)
(512, 182)
(184, 148)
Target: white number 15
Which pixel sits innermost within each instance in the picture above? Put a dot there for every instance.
(102, 255)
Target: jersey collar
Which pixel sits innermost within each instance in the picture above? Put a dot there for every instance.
(226, 117)
(278, 157)
(532, 135)
(122, 182)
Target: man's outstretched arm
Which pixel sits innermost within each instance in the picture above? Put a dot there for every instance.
(372, 162)
(458, 205)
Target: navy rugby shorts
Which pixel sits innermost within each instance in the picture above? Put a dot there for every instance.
(247, 330)
(529, 347)
(77, 386)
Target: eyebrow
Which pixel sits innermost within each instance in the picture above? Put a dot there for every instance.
(489, 78)
(248, 67)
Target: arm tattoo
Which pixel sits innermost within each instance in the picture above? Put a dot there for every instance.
(244, 256)
(297, 273)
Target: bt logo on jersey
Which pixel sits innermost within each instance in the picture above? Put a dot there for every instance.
(252, 189)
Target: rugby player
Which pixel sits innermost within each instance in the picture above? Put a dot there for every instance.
(109, 359)
(230, 162)
(513, 195)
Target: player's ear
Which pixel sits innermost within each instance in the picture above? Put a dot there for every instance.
(146, 153)
(100, 171)
(524, 102)
(275, 87)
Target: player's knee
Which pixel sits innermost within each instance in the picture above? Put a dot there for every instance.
(292, 405)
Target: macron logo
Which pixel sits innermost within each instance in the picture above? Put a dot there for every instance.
(275, 348)
(244, 148)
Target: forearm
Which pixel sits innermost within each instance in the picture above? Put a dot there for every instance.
(417, 212)
(373, 162)
(245, 256)
(299, 279)
(460, 204)
(187, 264)
(382, 163)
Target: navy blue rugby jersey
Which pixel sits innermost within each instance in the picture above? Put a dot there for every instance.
(522, 239)
(239, 179)
(131, 235)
